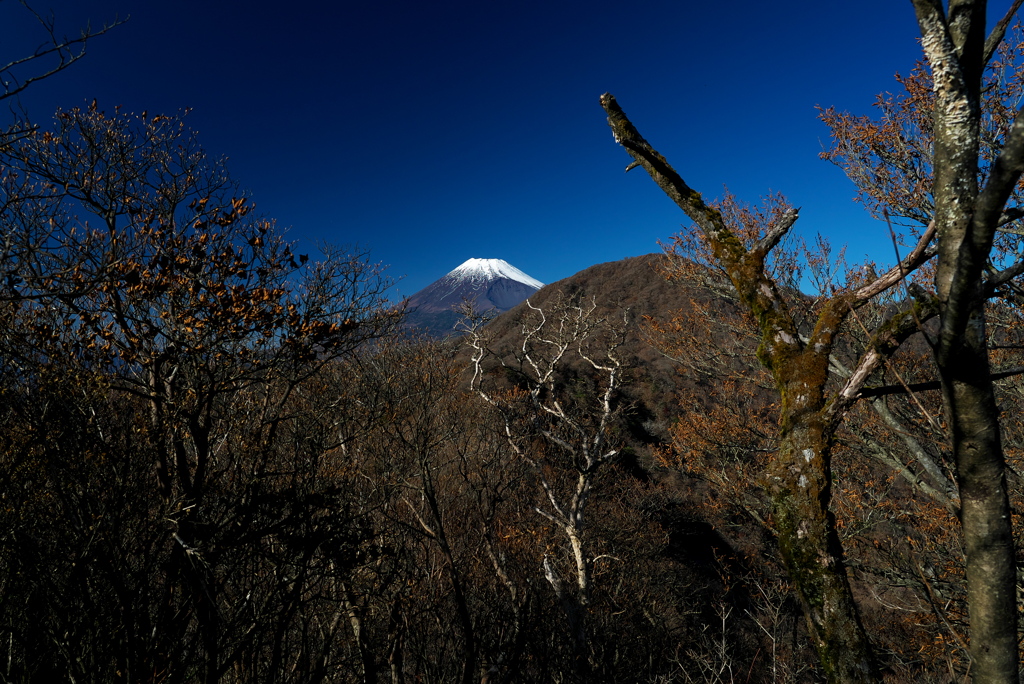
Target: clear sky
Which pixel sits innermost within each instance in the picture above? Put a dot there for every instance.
(433, 132)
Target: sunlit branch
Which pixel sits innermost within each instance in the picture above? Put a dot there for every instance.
(921, 253)
(929, 386)
(999, 31)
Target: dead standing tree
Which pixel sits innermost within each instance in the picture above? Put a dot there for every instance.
(576, 427)
(799, 477)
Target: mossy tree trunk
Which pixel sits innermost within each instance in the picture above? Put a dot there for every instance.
(799, 477)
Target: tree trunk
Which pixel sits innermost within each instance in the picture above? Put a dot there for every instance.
(799, 478)
(966, 218)
(800, 486)
(984, 508)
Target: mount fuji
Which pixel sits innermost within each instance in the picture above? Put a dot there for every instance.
(488, 283)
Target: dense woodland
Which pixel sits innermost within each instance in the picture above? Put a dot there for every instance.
(742, 461)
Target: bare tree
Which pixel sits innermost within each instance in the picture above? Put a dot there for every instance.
(800, 474)
(575, 425)
(133, 256)
(976, 168)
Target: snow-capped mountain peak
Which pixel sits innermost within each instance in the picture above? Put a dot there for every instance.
(488, 284)
(492, 269)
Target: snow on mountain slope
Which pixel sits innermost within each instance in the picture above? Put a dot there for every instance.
(487, 283)
(492, 269)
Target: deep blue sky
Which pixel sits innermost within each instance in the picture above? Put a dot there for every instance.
(432, 132)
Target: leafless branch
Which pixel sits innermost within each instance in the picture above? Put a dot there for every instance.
(59, 50)
(921, 253)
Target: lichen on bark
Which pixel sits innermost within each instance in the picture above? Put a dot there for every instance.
(800, 487)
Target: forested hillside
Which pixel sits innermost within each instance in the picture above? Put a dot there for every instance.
(571, 493)
(223, 460)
